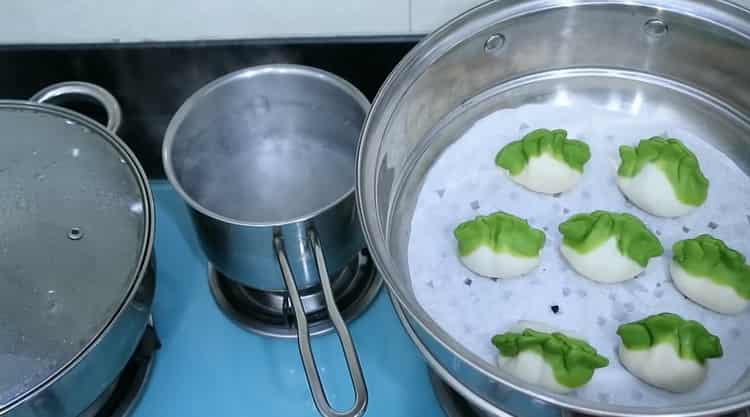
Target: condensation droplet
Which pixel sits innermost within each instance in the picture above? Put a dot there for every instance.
(136, 208)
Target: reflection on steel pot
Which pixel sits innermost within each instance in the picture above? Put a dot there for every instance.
(76, 236)
(685, 57)
(264, 157)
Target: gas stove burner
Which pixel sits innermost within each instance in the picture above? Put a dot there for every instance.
(119, 399)
(455, 405)
(270, 313)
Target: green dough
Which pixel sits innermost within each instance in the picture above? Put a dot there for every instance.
(674, 160)
(515, 155)
(586, 232)
(690, 339)
(573, 361)
(501, 232)
(710, 258)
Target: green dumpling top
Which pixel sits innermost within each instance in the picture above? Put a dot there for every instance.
(690, 339)
(515, 155)
(573, 361)
(674, 159)
(501, 232)
(710, 258)
(585, 232)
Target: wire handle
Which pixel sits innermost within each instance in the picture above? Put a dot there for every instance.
(303, 333)
(102, 96)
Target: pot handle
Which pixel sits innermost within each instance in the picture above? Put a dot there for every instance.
(102, 96)
(303, 333)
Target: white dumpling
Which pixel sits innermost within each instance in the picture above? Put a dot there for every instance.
(651, 191)
(607, 247)
(662, 177)
(604, 264)
(545, 174)
(530, 365)
(661, 367)
(719, 298)
(668, 352)
(499, 245)
(545, 161)
(711, 274)
(488, 263)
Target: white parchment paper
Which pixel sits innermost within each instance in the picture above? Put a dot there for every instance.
(465, 182)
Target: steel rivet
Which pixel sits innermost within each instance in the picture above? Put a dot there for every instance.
(656, 27)
(494, 43)
(75, 233)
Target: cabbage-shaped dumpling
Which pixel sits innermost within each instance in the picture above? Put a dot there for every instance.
(499, 245)
(662, 177)
(547, 358)
(710, 273)
(608, 247)
(667, 351)
(545, 161)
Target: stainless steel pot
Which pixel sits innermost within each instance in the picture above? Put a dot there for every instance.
(76, 236)
(684, 56)
(264, 157)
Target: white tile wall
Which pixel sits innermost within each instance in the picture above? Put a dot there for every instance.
(51, 21)
(427, 15)
(80, 21)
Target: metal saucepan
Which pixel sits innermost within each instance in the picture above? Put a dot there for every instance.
(265, 157)
(684, 56)
(76, 236)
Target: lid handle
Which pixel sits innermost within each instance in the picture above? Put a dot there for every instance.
(99, 94)
(303, 333)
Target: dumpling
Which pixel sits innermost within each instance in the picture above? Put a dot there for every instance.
(499, 245)
(667, 351)
(662, 177)
(710, 273)
(540, 355)
(608, 247)
(545, 161)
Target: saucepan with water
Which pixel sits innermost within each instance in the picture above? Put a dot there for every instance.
(265, 157)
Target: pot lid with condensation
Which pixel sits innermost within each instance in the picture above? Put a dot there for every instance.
(76, 221)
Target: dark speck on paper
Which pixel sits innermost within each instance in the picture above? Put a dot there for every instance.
(557, 195)
(566, 210)
(474, 205)
(440, 192)
(430, 284)
(555, 308)
(523, 126)
(685, 229)
(658, 233)
(712, 225)
(601, 321)
(748, 218)
(658, 284)
(566, 292)
(494, 279)
(468, 281)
